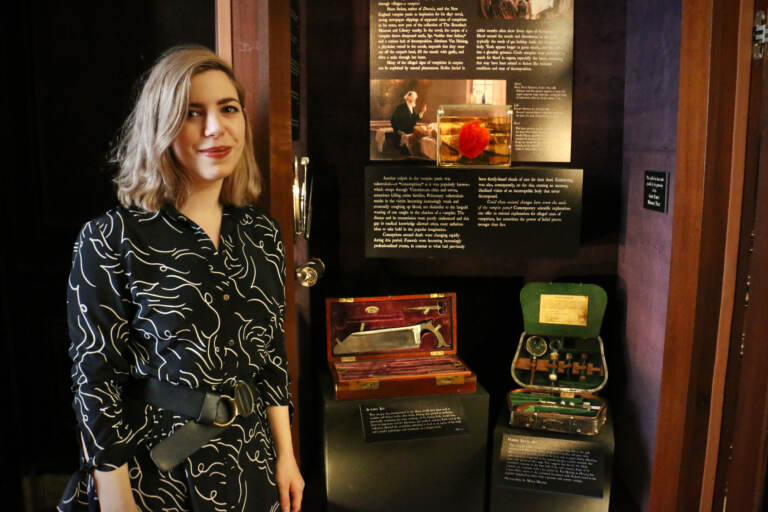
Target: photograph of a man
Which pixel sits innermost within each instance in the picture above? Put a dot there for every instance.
(404, 120)
(405, 117)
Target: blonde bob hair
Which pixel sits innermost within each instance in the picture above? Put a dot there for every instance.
(149, 175)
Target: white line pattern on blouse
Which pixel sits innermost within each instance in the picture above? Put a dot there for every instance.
(149, 296)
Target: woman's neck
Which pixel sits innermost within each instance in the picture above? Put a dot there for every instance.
(204, 209)
(203, 200)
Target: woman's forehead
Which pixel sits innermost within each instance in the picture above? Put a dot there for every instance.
(209, 85)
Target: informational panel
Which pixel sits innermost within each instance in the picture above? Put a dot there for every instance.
(426, 212)
(427, 53)
(418, 419)
(554, 465)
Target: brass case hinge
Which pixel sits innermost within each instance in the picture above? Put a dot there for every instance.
(348, 359)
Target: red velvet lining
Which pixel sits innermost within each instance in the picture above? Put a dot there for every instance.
(399, 367)
(349, 317)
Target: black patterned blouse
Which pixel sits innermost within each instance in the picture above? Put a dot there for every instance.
(149, 296)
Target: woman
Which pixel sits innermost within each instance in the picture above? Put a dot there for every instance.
(175, 311)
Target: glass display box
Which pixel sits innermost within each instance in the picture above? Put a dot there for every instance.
(469, 135)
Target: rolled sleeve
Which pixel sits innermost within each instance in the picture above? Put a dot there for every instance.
(98, 316)
(274, 383)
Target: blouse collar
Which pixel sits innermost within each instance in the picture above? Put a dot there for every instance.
(236, 212)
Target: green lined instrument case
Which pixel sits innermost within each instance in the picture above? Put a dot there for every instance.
(560, 362)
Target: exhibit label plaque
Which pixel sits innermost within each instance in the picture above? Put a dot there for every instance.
(416, 420)
(563, 309)
(554, 465)
(428, 212)
(656, 191)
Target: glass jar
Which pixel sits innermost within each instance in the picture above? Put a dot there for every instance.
(470, 135)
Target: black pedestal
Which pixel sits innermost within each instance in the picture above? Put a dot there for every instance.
(405, 470)
(535, 470)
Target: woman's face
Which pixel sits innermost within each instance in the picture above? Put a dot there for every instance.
(212, 137)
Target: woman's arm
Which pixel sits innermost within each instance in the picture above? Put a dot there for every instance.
(289, 480)
(274, 383)
(98, 316)
(114, 490)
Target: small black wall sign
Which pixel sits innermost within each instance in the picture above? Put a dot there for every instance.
(656, 191)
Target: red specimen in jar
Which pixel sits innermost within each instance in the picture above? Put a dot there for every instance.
(473, 138)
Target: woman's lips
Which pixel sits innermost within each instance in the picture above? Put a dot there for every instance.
(216, 152)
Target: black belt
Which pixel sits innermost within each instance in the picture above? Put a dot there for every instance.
(211, 414)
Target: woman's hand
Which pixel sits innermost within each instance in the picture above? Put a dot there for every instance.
(114, 490)
(289, 483)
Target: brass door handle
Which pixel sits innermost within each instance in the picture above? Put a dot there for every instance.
(302, 197)
(310, 272)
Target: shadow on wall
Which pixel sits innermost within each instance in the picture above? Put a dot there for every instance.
(634, 458)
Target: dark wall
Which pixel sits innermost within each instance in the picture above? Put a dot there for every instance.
(650, 141)
(72, 68)
(489, 318)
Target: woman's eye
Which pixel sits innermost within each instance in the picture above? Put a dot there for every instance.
(194, 113)
(230, 109)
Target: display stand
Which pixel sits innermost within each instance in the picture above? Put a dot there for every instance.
(425, 453)
(543, 471)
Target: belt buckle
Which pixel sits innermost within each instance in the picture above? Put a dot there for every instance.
(241, 404)
(244, 398)
(232, 407)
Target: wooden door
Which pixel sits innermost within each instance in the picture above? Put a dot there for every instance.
(255, 36)
(709, 183)
(741, 460)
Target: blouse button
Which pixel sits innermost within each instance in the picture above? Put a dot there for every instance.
(231, 343)
(225, 297)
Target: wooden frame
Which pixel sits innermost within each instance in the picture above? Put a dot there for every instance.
(742, 132)
(741, 461)
(259, 44)
(741, 457)
(710, 159)
(223, 17)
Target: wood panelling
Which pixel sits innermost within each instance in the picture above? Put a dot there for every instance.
(739, 453)
(224, 30)
(741, 128)
(261, 50)
(708, 86)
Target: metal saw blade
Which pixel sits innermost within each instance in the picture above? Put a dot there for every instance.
(393, 338)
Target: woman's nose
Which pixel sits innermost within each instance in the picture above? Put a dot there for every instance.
(213, 126)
